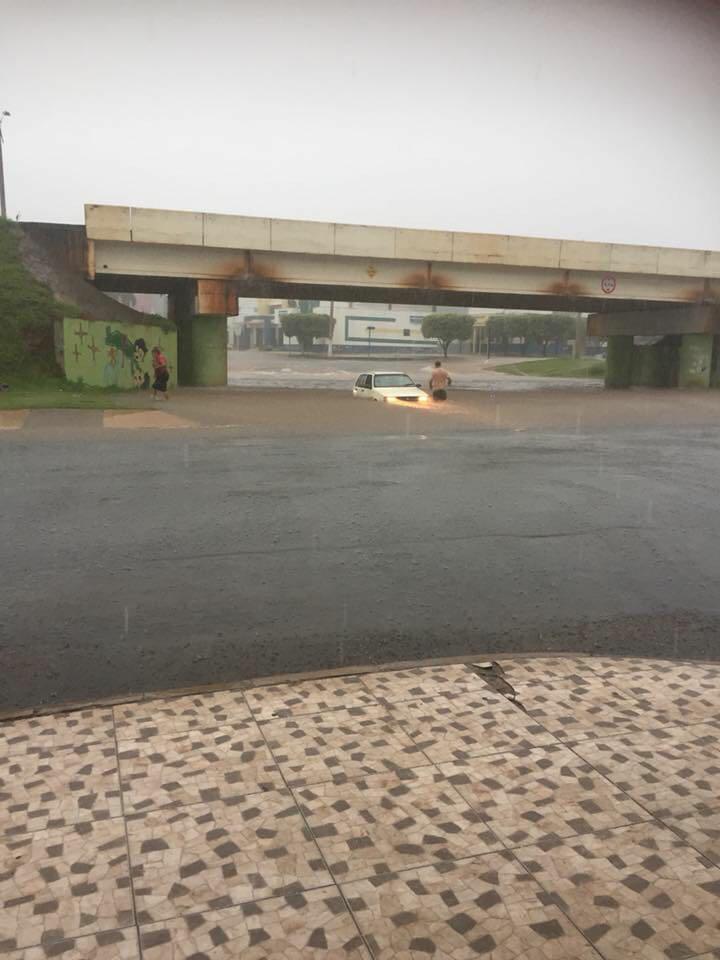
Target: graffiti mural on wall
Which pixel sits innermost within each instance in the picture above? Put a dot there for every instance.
(107, 355)
(123, 349)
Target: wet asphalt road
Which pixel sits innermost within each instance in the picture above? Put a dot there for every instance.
(279, 370)
(144, 560)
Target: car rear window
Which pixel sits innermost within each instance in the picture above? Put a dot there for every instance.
(393, 380)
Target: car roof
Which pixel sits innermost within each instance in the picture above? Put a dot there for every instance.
(393, 373)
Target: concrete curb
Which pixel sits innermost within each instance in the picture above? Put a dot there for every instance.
(279, 678)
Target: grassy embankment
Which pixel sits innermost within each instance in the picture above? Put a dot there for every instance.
(28, 368)
(557, 367)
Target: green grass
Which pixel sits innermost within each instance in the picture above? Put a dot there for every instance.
(54, 393)
(27, 312)
(557, 367)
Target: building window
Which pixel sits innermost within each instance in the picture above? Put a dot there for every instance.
(406, 333)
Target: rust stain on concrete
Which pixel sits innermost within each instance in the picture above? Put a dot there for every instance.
(565, 288)
(696, 294)
(441, 282)
(418, 278)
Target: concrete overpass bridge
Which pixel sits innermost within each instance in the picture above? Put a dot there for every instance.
(204, 261)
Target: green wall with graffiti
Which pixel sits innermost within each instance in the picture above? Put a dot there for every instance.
(115, 355)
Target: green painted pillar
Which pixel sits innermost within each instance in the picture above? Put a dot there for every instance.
(181, 309)
(185, 360)
(646, 366)
(209, 350)
(619, 361)
(715, 371)
(695, 360)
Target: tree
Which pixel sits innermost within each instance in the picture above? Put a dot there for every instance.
(540, 327)
(305, 327)
(518, 326)
(498, 330)
(446, 327)
(307, 306)
(551, 326)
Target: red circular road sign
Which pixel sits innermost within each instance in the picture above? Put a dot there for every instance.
(608, 284)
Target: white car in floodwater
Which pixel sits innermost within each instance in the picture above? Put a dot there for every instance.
(386, 386)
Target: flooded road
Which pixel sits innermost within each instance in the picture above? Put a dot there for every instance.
(145, 560)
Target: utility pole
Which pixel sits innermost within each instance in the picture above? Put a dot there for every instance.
(3, 209)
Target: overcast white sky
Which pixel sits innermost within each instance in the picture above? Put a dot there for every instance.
(589, 119)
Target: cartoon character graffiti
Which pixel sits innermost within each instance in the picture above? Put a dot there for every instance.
(134, 351)
(141, 379)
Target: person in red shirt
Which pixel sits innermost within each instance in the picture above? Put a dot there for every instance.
(162, 374)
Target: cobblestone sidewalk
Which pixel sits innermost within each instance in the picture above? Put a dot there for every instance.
(569, 809)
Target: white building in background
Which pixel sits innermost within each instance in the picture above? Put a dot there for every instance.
(388, 327)
(152, 303)
(358, 327)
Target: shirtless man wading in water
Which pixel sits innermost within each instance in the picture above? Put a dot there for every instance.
(439, 382)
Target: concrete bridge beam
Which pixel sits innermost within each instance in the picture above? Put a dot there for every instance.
(656, 322)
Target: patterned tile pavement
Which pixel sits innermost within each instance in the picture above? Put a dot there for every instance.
(448, 680)
(65, 733)
(547, 808)
(206, 856)
(469, 725)
(298, 926)
(489, 906)
(308, 696)
(689, 694)
(667, 771)
(174, 715)
(378, 824)
(700, 828)
(111, 945)
(55, 788)
(196, 765)
(61, 883)
(635, 890)
(545, 670)
(527, 795)
(590, 711)
(340, 744)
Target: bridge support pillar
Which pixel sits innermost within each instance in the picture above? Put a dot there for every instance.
(181, 307)
(619, 361)
(199, 310)
(696, 352)
(209, 350)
